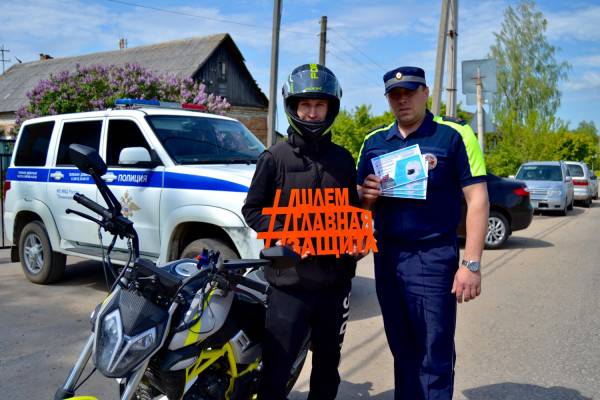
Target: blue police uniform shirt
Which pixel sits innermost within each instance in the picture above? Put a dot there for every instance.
(457, 162)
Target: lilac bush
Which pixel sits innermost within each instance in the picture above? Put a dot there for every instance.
(98, 86)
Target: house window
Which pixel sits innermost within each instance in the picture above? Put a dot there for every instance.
(222, 70)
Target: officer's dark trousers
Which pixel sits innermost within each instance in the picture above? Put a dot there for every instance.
(291, 315)
(413, 282)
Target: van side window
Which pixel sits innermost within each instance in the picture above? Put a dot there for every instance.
(123, 133)
(33, 144)
(84, 132)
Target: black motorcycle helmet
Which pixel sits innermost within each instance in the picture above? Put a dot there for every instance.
(311, 81)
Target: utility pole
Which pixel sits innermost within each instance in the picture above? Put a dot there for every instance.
(438, 80)
(3, 60)
(323, 40)
(271, 136)
(480, 124)
(452, 50)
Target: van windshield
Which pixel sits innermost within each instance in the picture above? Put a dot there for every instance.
(201, 140)
(540, 173)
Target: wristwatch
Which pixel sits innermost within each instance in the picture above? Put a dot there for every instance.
(473, 266)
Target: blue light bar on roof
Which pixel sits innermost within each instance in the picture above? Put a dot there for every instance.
(151, 103)
(137, 102)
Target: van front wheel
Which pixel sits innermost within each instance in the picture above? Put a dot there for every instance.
(195, 248)
(40, 264)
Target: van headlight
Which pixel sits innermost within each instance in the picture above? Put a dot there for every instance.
(116, 353)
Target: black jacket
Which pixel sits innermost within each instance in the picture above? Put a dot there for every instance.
(297, 164)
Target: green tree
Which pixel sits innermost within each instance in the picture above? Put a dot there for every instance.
(580, 144)
(528, 73)
(515, 148)
(351, 127)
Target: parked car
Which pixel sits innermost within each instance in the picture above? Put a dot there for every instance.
(550, 185)
(510, 210)
(594, 184)
(583, 187)
(178, 175)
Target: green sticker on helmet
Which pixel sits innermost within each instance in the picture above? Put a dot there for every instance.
(313, 71)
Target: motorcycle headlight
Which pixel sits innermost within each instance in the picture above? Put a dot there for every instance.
(117, 353)
(110, 337)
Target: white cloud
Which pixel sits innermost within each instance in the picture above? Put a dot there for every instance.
(589, 81)
(580, 24)
(66, 28)
(587, 61)
(476, 28)
(42, 27)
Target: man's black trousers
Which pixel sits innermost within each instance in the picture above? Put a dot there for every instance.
(293, 314)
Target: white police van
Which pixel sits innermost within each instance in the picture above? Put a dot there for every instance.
(180, 175)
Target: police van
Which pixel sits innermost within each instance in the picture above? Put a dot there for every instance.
(180, 175)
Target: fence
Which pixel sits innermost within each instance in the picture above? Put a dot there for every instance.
(6, 148)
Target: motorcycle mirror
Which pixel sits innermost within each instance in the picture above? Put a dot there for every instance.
(86, 158)
(281, 257)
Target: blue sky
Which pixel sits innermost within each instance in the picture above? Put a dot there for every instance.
(365, 39)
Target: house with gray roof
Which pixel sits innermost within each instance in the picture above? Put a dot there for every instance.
(213, 60)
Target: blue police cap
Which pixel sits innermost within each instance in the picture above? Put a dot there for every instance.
(406, 77)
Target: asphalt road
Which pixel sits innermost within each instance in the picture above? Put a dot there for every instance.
(533, 334)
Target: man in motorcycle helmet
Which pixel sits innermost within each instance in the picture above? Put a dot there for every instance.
(312, 298)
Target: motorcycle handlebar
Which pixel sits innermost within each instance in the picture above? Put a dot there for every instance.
(249, 283)
(92, 205)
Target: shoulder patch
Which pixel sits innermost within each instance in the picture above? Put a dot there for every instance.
(456, 120)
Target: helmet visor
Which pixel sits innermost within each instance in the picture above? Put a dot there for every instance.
(312, 83)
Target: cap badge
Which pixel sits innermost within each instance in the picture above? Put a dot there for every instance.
(431, 161)
(398, 75)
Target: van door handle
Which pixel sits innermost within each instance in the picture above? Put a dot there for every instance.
(57, 176)
(109, 177)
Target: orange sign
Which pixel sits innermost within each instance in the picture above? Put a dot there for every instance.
(322, 222)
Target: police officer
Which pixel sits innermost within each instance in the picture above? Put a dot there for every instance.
(418, 275)
(314, 296)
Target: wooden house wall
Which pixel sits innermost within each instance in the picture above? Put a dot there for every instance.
(236, 86)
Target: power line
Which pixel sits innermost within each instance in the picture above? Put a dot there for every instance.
(358, 49)
(131, 4)
(359, 62)
(345, 61)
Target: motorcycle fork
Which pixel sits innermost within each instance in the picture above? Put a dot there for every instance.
(134, 381)
(68, 388)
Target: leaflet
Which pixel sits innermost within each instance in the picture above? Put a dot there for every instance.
(406, 194)
(403, 173)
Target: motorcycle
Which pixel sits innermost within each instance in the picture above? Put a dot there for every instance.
(188, 330)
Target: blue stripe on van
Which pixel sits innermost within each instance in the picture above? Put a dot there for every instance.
(136, 178)
(27, 174)
(183, 181)
(130, 178)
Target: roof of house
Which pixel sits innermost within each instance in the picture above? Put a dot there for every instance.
(182, 58)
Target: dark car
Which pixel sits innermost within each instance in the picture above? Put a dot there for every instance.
(510, 210)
